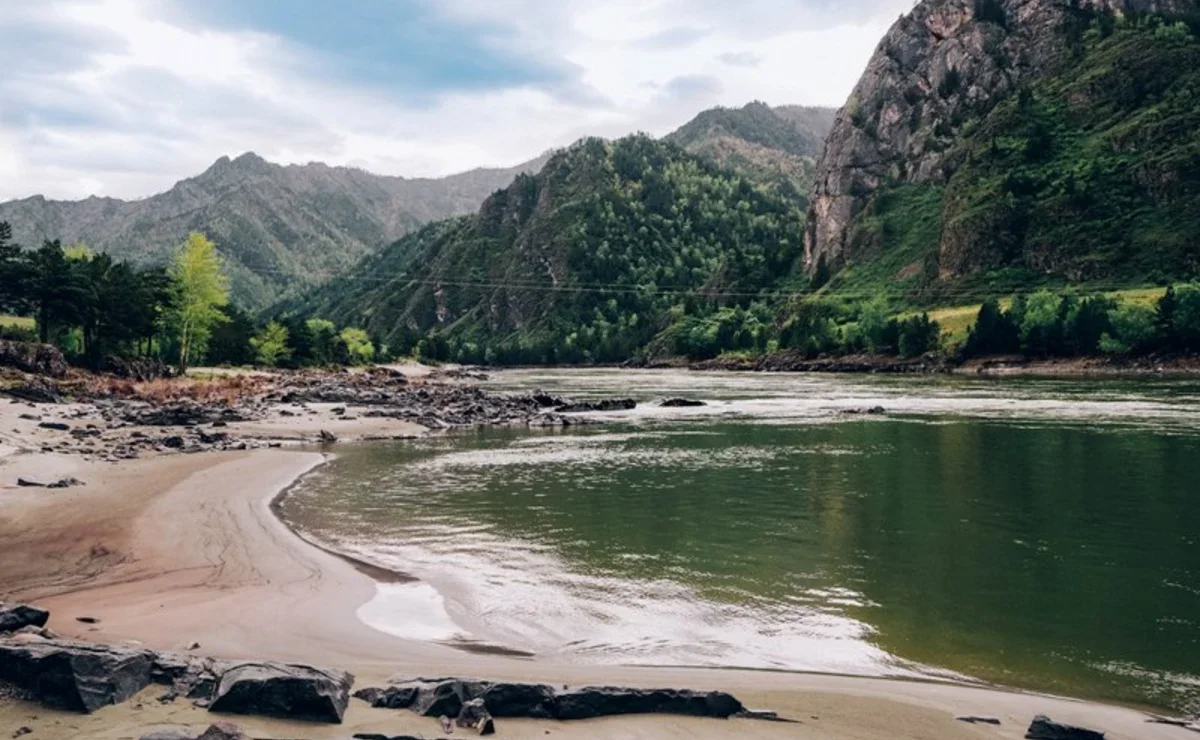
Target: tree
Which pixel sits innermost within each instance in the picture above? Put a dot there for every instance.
(994, 333)
(357, 343)
(271, 344)
(12, 272)
(57, 292)
(230, 341)
(324, 338)
(201, 290)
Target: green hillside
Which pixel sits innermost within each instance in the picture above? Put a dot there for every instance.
(610, 246)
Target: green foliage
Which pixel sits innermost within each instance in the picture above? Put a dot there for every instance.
(1047, 324)
(585, 262)
(201, 290)
(1093, 173)
(358, 346)
(271, 344)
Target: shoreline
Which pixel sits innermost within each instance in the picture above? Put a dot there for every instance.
(191, 549)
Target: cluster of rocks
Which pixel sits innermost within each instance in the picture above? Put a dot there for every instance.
(452, 697)
(81, 677)
(37, 666)
(40, 359)
(795, 362)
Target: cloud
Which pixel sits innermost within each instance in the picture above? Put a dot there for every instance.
(740, 59)
(124, 97)
(673, 38)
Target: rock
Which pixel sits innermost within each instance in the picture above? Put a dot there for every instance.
(173, 442)
(282, 690)
(973, 720)
(13, 618)
(29, 357)
(75, 677)
(1044, 728)
(223, 731)
(328, 437)
(22, 731)
(520, 700)
(447, 725)
(610, 404)
(681, 403)
(88, 620)
(604, 701)
(474, 714)
(30, 417)
(56, 426)
(393, 697)
(176, 732)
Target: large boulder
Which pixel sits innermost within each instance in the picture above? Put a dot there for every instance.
(39, 359)
(604, 701)
(75, 677)
(282, 690)
(13, 618)
(1044, 728)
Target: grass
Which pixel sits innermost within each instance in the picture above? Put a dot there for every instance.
(16, 322)
(956, 321)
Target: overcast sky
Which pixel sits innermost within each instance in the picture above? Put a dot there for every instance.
(124, 97)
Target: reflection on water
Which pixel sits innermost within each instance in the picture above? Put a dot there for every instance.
(1040, 534)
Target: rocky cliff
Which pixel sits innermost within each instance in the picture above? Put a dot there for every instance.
(937, 80)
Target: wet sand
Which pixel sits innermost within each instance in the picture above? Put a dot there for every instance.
(177, 549)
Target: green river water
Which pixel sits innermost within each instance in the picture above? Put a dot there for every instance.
(1039, 534)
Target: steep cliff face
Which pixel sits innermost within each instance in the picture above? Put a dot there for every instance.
(936, 77)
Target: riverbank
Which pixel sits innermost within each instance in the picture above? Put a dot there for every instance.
(172, 550)
(1150, 365)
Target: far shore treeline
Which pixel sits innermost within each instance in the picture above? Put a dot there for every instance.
(95, 309)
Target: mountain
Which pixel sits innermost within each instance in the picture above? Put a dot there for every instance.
(279, 228)
(776, 146)
(1001, 142)
(612, 246)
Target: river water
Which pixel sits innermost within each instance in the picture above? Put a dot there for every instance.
(1034, 533)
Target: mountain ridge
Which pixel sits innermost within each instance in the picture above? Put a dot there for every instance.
(279, 227)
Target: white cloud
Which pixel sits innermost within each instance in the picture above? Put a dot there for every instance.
(161, 99)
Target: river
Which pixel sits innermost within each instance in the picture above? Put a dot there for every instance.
(1034, 533)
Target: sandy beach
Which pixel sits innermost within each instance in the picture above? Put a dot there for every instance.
(171, 550)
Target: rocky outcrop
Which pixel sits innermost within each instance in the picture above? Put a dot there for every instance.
(1044, 728)
(279, 690)
(447, 697)
(946, 62)
(13, 618)
(75, 677)
(39, 359)
(608, 404)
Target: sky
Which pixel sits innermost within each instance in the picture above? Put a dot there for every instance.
(123, 98)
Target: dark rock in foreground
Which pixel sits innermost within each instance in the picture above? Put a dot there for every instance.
(1044, 728)
(432, 698)
(14, 618)
(79, 678)
(606, 701)
(608, 404)
(279, 690)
